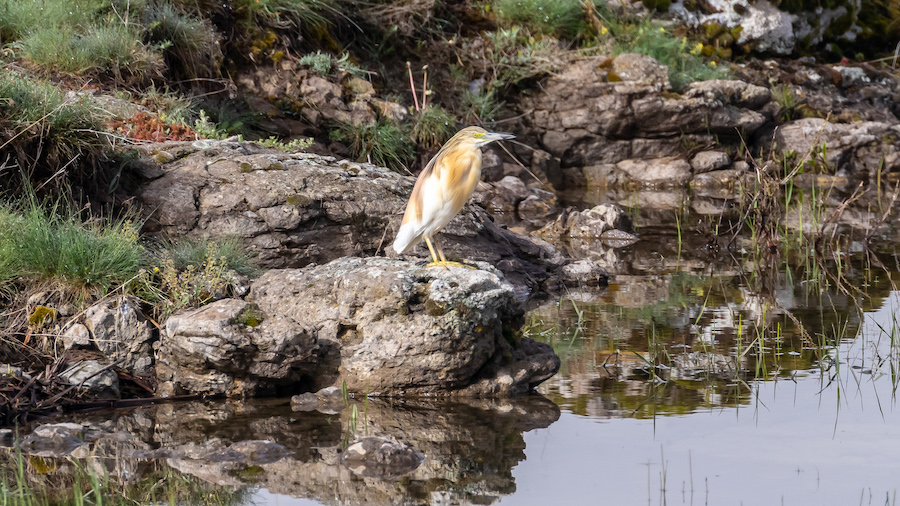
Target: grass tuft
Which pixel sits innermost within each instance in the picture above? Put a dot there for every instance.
(41, 130)
(50, 243)
(431, 127)
(383, 143)
(560, 18)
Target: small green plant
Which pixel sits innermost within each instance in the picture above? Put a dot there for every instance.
(291, 146)
(561, 18)
(324, 64)
(383, 143)
(648, 37)
(318, 62)
(432, 126)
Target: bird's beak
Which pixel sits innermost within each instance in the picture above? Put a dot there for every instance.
(497, 136)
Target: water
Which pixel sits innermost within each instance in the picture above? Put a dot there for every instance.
(695, 378)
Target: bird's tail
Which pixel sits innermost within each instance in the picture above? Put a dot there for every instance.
(407, 237)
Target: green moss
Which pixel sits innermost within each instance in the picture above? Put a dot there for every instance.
(299, 200)
(41, 315)
(251, 316)
(246, 167)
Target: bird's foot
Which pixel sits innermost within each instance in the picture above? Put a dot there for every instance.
(447, 264)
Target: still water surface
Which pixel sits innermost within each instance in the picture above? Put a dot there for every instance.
(693, 378)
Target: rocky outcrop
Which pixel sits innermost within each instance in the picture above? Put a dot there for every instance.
(388, 327)
(228, 348)
(620, 118)
(297, 209)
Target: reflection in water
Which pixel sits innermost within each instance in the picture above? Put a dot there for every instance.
(470, 447)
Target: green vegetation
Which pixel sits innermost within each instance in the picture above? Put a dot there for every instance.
(50, 243)
(431, 127)
(44, 130)
(560, 18)
(383, 143)
(650, 38)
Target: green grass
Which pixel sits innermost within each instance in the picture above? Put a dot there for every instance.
(314, 14)
(230, 250)
(560, 18)
(190, 44)
(42, 130)
(384, 143)
(50, 243)
(650, 38)
(432, 126)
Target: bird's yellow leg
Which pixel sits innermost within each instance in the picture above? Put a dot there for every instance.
(434, 257)
(443, 262)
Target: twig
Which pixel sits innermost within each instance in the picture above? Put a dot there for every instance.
(424, 85)
(412, 86)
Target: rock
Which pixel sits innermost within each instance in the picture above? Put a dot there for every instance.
(581, 234)
(7, 370)
(861, 148)
(87, 375)
(633, 68)
(668, 171)
(297, 209)
(392, 327)
(53, 440)
(381, 457)
(728, 178)
(509, 201)
(589, 115)
(327, 400)
(706, 161)
(260, 452)
(6, 437)
(119, 330)
(77, 336)
(230, 348)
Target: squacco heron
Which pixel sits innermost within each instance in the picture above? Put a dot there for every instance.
(442, 189)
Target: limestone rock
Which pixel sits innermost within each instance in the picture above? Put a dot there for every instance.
(119, 330)
(297, 209)
(228, 348)
(706, 161)
(88, 375)
(668, 171)
(392, 327)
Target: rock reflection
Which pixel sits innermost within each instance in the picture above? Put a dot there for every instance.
(469, 447)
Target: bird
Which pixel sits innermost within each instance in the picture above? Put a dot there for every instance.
(442, 189)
